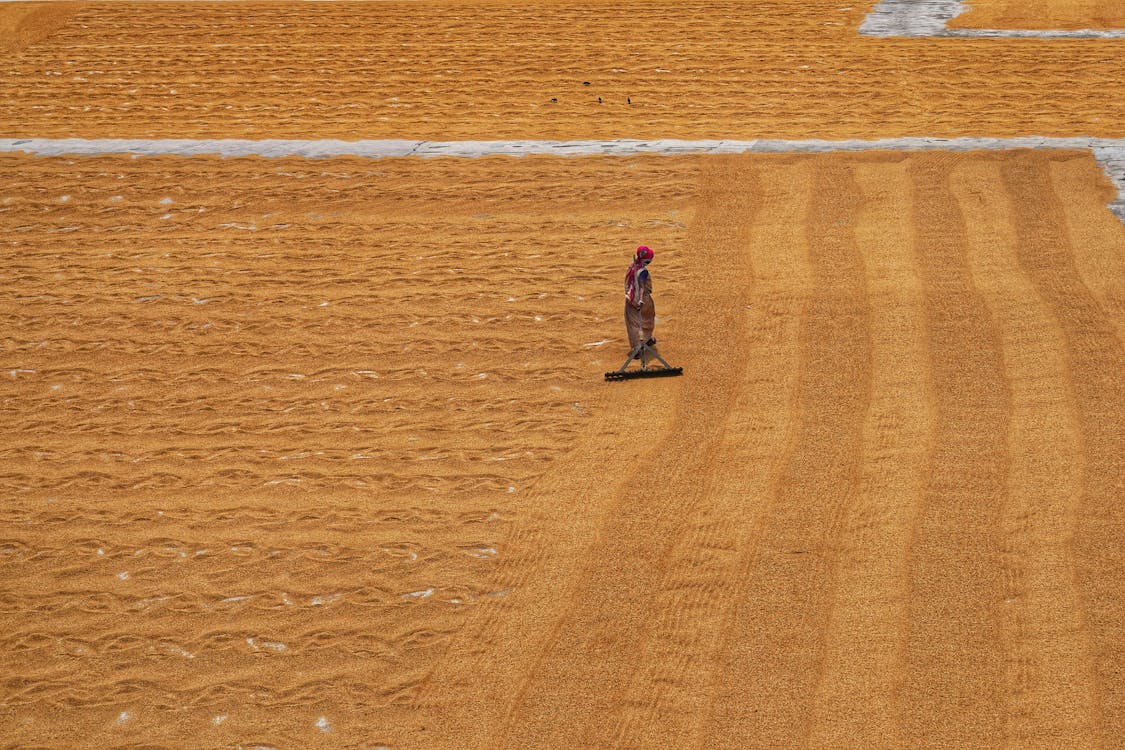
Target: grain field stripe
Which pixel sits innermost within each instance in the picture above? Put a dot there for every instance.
(605, 620)
(548, 545)
(784, 277)
(1050, 689)
(664, 671)
(547, 550)
(1096, 363)
(1099, 234)
(777, 650)
(671, 693)
(953, 685)
(866, 634)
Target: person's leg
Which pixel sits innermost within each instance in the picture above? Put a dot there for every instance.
(633, 325)
(648, 321)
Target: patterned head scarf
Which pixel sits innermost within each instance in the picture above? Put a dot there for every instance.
(634, 290)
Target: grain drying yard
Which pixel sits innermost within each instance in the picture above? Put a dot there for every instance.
(305, 308)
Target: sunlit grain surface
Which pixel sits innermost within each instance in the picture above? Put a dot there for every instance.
(298, 439)
(1042, 14)
(484, 70)
(317, 452)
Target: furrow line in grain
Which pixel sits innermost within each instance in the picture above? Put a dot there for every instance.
(610, 597)
(1095, 234)
(954, 681)
(777, 650)
(191, 525)
(426, 70)
(670, 692)
(865, 633)
(1094, 365)
(679, 579)
(1047, 654)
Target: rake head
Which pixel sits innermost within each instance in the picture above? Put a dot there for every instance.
(661, 372)
(643, 351)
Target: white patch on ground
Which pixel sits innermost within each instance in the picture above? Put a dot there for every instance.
(911, 17)
(234, 599)
(323, 725)
(929, 18)
(178, 651)
(1112, 160)
(219, 719)
(123, 717)
(418, 594)
(270, 645)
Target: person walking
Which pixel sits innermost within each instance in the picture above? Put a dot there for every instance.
(640, 320)
(640, 310)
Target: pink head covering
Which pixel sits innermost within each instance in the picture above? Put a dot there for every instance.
(633, 288)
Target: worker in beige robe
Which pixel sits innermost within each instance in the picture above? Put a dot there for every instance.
(640, 310)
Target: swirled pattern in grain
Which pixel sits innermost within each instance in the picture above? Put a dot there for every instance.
(266, 424)
(466, 69)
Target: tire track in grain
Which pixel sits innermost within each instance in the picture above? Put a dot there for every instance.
(1093, 350)
(953, 690)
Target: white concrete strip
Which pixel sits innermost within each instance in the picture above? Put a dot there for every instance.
(623, 147)
(1109, 152)
(927, 18)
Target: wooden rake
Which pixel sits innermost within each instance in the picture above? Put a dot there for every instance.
(643, 351)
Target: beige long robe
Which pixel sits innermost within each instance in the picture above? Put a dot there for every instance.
(640, 322)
